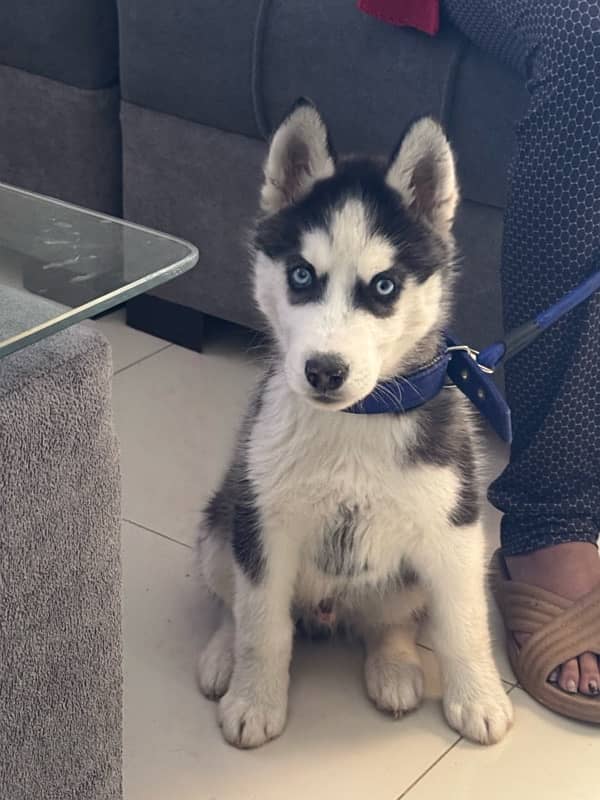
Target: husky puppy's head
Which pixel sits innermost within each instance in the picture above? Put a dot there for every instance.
(354, 258)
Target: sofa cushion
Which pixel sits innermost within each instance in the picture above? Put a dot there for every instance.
(192, 60)
(239, 67)
(74, 41)
(487, 101)
(360, 72)
(200, 183)
(61, 140)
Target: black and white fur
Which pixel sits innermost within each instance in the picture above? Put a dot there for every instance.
(364, 521)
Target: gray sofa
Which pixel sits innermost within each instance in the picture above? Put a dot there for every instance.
(201, 87)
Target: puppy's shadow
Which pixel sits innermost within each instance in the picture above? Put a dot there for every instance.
(329, 711)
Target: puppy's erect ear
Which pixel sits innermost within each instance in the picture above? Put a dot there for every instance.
(423, 172)
(299, 155)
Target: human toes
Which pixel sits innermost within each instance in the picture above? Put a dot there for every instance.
(568, 680)
(589, 674)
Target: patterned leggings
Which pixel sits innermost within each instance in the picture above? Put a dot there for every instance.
(550, 492)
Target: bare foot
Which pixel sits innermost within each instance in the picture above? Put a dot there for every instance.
(569, 570)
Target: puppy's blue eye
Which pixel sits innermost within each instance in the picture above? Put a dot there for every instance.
(385, 287)
(301, 278)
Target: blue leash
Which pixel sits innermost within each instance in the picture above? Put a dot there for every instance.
(470, 370)
(525, 334)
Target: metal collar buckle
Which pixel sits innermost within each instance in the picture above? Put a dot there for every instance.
(473, 354)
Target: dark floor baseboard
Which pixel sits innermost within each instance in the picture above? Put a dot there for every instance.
(175, 323)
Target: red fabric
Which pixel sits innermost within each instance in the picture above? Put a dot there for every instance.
(421, 14)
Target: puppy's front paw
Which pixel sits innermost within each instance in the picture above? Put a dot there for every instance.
(394, 686)
(249, 722)
(481, 712)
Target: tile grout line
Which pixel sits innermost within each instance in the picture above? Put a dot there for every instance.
(143, 358)
(157, 533)
(443, 755)
(429, 768)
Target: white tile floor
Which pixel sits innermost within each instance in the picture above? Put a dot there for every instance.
(176, 413)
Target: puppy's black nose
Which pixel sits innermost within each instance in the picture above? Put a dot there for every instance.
(326, 372)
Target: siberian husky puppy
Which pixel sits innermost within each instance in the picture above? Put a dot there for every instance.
(365, 521)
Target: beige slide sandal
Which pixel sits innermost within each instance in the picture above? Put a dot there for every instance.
(559, 628)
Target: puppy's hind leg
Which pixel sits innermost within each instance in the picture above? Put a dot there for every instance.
(216, 566)
(215, 663)
(393, 673)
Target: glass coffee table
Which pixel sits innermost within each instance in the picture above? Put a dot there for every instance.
(82, 263)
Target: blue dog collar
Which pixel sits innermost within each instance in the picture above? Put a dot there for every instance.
(406, 392)
(469, 371)
(456, 366)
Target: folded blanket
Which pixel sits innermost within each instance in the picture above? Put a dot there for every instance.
(421, 14)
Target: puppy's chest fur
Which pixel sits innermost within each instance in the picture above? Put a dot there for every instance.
(360, 492)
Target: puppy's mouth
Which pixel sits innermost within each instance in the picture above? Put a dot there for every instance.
(329, 401)
(324, 399)
(335, 400)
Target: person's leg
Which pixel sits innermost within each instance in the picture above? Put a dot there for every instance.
(550, 492)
